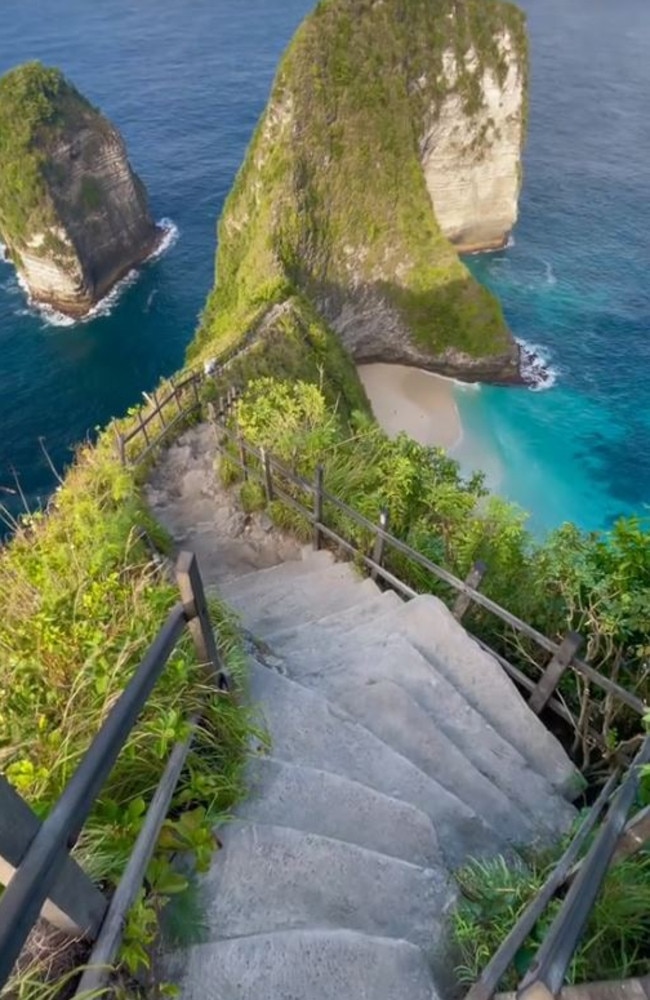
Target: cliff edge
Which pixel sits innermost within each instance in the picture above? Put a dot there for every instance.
(73, 214)
(392, 138)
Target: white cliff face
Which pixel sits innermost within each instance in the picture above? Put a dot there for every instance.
(472, 162)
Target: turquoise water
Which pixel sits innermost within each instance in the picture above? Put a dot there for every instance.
(575, 283)
(186, 84)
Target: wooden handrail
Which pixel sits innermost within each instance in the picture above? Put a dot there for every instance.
(42, 861)
(461, 586)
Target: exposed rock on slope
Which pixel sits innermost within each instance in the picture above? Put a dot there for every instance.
(393, 127)
(472, 163)
(73, 214)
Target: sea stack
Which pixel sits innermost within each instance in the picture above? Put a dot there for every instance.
(392, 141)
(73, 214)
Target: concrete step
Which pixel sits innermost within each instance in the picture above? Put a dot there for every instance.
(310, 636)
(270, 577)
(304, 965)
(273, 878)
(428, 625)
(316, 801)
(306, 729)
(348, 670)
(396, 718)
(300, 591)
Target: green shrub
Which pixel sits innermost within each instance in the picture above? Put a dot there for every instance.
(597, 584)
(616, 942)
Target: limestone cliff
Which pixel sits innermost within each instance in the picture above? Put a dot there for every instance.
(73, 214)
(393, 128)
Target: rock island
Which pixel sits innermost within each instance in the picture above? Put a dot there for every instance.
(73, 214)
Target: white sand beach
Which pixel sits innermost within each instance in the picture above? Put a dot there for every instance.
(415, 401)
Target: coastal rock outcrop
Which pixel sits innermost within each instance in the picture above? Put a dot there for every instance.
(391, 140)
(73, 214)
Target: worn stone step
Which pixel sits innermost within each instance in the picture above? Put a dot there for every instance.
(306, 562)
(274, 878)
(429, 626)
(306, 729)
(274, 600)
(328, 804)
(396, 718)
(304, 965)
(333, 628)
(453, 733)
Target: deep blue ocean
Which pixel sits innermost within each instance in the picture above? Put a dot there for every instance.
(186, 83)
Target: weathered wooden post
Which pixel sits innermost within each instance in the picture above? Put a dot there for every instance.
(175, 394)
(318, 506)
(380, 543)
(242, 456)
(159, 409)
(75, 904)
(552, 675)
(143, 427)
(473, 579)
(190, 585)
(268, 478)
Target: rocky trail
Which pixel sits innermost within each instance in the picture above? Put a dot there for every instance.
(398, 750)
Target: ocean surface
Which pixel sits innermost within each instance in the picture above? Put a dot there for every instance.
(186, 83)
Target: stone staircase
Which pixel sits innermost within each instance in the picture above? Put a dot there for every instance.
(398, 749)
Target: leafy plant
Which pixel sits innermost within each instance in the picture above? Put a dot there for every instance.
(616, 943)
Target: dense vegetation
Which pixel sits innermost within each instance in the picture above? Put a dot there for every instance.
(332, 200)
(616, 943)
(32, 99)
(597, 584)
(82, 601)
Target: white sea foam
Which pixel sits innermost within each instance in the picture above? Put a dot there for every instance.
(52, 317)
(550, 277)
(168, 239)
(536, 368)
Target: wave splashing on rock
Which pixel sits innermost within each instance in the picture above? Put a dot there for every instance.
(536, 370)
(52, 317)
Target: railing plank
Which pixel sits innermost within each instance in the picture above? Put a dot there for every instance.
(546, 974)
(474, 579)
(103, 954)
(498, 965)
(378, 548)
(75, 904)
(552, 675)
(195, 607)
(318, 505)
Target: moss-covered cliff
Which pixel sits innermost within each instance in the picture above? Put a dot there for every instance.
(73, 214)
(336, 196)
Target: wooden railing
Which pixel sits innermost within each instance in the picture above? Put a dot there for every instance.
(585, 877)
(35, 865)
(166, 410)
(616, 839)
(278, 480)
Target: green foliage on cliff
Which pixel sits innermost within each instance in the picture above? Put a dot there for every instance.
(595, 583)
(36, 105)
(332, 199)
(293, 343)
